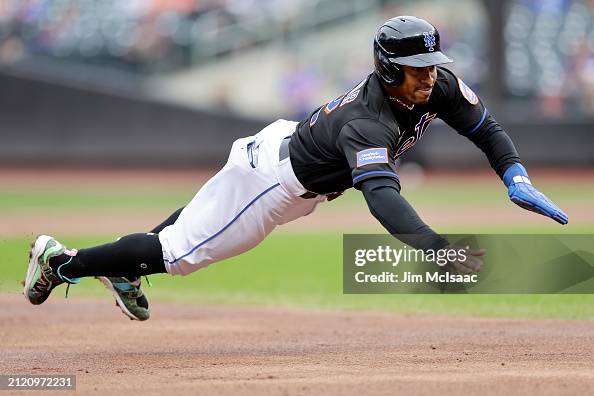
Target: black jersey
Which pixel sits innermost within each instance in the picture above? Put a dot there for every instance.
(359, 135)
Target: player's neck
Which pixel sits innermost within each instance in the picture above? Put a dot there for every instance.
(402, 105)
(397, 99)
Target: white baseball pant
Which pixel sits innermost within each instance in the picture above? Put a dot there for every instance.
(239, 206)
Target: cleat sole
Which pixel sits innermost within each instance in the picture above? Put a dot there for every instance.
(37, 248)
(118, 301)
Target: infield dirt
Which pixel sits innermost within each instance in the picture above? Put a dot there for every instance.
(222, 350)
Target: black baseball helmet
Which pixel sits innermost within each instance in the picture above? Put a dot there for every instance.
(405, 40)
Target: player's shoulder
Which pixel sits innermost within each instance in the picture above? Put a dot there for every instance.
(450, 87)
(365, 108)
(369, 100)
(446, 79)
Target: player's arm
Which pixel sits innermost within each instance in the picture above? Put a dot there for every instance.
(465, 112)
(502, 155)
(367, 146)
(402, 221)
(383, 198)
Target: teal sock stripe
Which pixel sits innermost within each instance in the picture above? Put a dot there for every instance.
(62, 277)
(123, 286)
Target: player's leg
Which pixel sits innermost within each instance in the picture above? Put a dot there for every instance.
(51, 264)
(168, 221)
(237, 208)
(127, 291)
(232, 212)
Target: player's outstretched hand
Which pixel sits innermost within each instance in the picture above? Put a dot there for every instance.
(521, 192)
(471, 264)
(529, 198)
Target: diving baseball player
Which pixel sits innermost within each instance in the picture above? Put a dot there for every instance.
(284, 171)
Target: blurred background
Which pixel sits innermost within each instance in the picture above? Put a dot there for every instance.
(157, 82)
(114, 112)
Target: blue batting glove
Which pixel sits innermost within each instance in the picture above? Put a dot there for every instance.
(522, 193)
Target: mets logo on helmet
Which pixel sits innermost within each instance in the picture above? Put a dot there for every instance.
(429, 40)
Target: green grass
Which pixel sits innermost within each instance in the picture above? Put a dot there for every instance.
(457, 196)
(60, 199)
(298, 271)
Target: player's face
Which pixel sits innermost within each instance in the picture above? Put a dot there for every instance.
(417, 85)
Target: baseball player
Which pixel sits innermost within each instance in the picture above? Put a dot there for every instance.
(284, 171)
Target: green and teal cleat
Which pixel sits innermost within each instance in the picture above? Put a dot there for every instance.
(128, 295)
(41, 279)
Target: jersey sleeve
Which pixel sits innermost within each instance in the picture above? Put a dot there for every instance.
(458, 106)
(368, 147)
(463, 110)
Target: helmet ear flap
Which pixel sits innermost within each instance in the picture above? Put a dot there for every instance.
(390, 73)
(398, 74)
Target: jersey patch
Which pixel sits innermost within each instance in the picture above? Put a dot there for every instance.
(467, 92)
(331, 106)
(372, 156)
(314, 118)
(352, 95)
